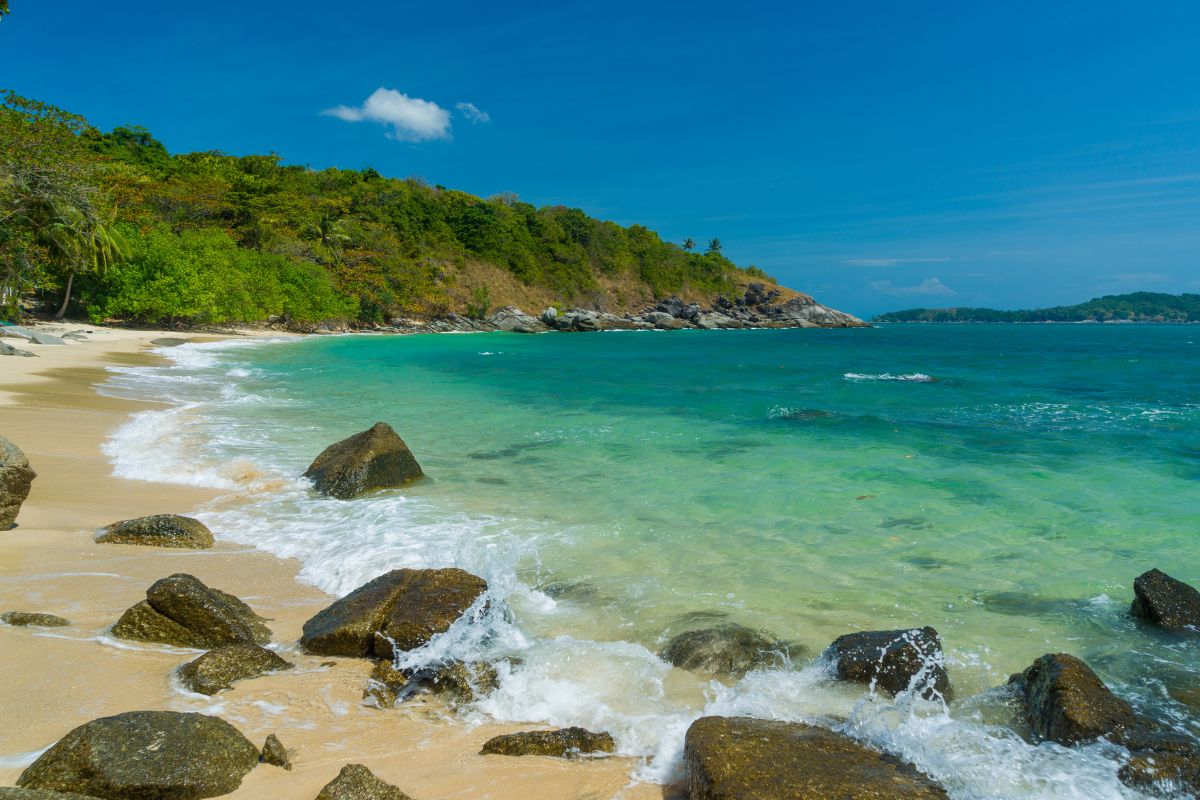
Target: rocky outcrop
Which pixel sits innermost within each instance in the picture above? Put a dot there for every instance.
(160, 530)
(274, 753)
(16, 478)
(220, 668)
(400, 610)
(737, 758)
(374, 459)
(182, 611)
(726, 649)
(562, 743)
(1161, 600)
(37, 618)
(459, 682)
(356, 782)
(892, 660)
(149, 755)
(1064, 701)
(8, 350)
(514, 320)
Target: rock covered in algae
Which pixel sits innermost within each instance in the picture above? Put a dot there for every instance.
(180, 610)
(159, 530)
(725, 649)
(458, 681)
(400, 610)
(38, 618)
(562, 743)
(274, 753)
(220, 668)
(356, 782)
(16, 479)
(891, 660)
(1168, 603)
(148, 755)
(737, 758)
(373, 459)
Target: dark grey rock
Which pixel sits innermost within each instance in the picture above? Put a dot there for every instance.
(8, 350)
(356, 782)
(1161, 600)
(220, 668)
(562, 743)
(891, 660)
(160, 530)
(23, 618)
(374, 459)
(16, 478)
(146, 755)
(274, 753)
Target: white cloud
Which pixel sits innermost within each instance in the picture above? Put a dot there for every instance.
(473, 112)
(892, 262)
(927, 286)
(411, 118)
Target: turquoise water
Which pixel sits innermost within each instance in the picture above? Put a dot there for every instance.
(1004, 484)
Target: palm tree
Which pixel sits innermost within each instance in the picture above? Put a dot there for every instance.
(714, 245)
(77, 241)
(331, 234)
(689, 244)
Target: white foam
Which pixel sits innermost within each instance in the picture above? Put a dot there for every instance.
(911, 377)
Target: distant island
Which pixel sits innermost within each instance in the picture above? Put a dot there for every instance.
(1133, 307)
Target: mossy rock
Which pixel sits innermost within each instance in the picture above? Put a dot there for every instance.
(14, 793)
(400, 610)
(23, 618)
(562, 743)
(147, 755)
(275, 754)
(160, 530)
(726, 649)
(16, 479)
(1166, 602)
(737, 758)
(180, 610)
(356, 782)
(220, 668)
(458, 681)
(891, 660)
(373, 459)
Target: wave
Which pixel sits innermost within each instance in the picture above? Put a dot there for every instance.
(912, 377)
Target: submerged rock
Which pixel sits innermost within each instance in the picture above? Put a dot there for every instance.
(148, 755)
(159, 530)
(374, 459)
(274, 753)
(169, 341)
(562, 743)
(400, 610)
(16, 478)
(356, 782)
(180, 610)
(1163, 601)
(219, 669)
(726, 649)
(891, 660)
(23, 618)
(458, 681)
(737, 758)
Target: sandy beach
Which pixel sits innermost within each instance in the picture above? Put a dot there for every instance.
(52, 680)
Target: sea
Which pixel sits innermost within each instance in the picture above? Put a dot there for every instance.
(1004, 484)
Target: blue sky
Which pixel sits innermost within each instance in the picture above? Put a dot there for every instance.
(880, 155)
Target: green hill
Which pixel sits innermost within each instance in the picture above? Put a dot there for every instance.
(130, 232)
(1134, 307)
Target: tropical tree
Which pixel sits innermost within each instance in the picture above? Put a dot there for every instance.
(714, 245)
(689, 244)
(3, 7)
(331, 235)
(80, 241)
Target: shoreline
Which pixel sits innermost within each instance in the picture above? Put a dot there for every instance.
(57, 679)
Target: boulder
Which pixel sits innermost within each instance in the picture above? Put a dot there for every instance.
(16, 477)
(513, 320)
(548, 317)
(726, 649)
(180, 610)
(1065, 702)
(356, 782)
(672, 306)
(45, 338)
(374, 459)
(14, 793)
(160, 530)
(274, 753)
(169, 341)
(8, 350)
(220, 668)
(148, 755)
(891, 660)
(664, 321)
(22, 618)
(458, 681)
(400, 610)
(712, 320)
(737, 758)
(562, 743)
(803, 311)
(1161, 600)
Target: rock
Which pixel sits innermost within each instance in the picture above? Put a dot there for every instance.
(356, 782)
(549, 316)
(148, 755)
(160, 530)
(8, 350)
(664, 321)
(23, 618)
(400, 610)
(562, 743)
(13, 793)
(1163, 601)
(891, 660)
(169, 341)
(727, 649)
(220, 668)
(16, 478)
(274, 753)
(712, 320)
(672, 306)
(45, 338)
(182, 611)
(374, 459)
(513, 320)
(737, 758)
(458, 681)
(803, 311)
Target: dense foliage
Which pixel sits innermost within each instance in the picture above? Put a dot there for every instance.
(207, 237)
(1135, 307)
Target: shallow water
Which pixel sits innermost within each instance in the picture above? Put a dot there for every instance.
(1004, 484)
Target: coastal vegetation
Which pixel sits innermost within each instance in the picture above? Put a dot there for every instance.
(114, 227)
(1133, 307)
